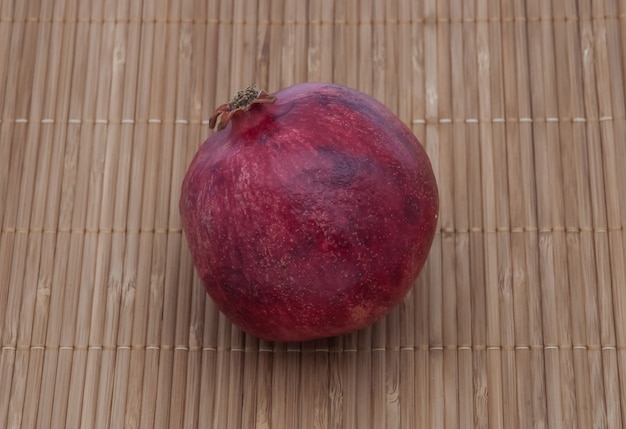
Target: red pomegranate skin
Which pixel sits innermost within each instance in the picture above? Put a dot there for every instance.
(312, 216)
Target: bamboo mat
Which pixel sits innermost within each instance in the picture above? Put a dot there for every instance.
(519, 318)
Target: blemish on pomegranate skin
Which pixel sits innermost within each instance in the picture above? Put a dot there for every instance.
(323, 99)
(412, 210)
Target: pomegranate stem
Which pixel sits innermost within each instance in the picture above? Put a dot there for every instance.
(240, 102)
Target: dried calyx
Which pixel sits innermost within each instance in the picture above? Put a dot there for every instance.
(240, 102)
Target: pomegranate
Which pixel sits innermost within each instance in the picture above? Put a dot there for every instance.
(311, 213)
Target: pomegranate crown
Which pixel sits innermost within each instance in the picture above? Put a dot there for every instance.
(241, 101)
